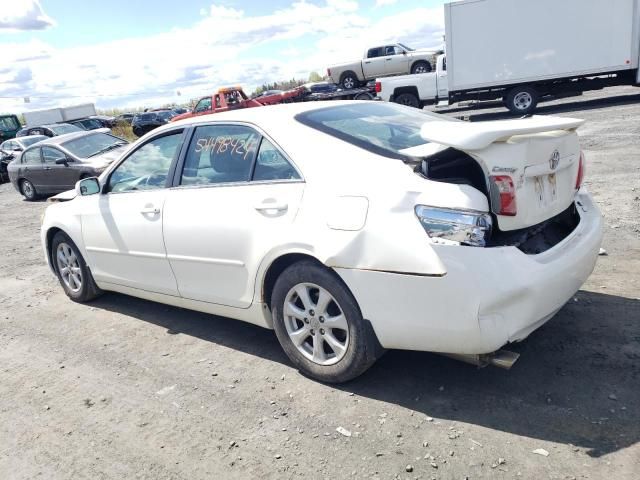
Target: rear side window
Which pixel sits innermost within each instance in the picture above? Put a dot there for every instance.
(375, 52)
(31, 157)
(204, 105)
(271, 164)
(220, 154)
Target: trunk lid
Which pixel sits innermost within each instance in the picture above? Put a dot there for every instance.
(540, 155)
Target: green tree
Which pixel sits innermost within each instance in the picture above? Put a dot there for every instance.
(315, 77)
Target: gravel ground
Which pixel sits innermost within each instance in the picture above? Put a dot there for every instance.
(125, 388)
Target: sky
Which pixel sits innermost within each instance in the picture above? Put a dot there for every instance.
(146, 53)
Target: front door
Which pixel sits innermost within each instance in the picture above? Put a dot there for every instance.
(228, 212)
(396, 62)
(122, 227)
(58, 178)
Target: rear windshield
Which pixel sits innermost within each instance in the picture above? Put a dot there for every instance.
(9, 123)
(27, 141)
(382, 128)
(64, 128)
(146, 116)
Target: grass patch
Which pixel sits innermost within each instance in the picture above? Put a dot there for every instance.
(123, 130)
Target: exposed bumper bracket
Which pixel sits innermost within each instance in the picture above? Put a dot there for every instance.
(502, 359)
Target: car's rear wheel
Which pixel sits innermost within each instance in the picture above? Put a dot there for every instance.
(421, 67)
(349, 80)
(72, 271)
(28, 190)
(319, 325)
(408, 99)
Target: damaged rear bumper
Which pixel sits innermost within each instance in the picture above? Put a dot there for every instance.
(488, 298)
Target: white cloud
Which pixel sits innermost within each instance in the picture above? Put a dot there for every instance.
(17, 15)
(384, 3)
(212, 53)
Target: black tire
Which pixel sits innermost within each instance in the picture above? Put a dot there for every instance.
(28, 191)
(88, 289)
(362, 348)
(421, 67)
(408, 99)
(349, 80)
(364, 96)
(522, 100)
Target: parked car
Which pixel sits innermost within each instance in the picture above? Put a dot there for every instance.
(106, 121)
(56, 164)
(321, 87)
(348, 227)
(88, 123)
(381, 61)
(9, 126)
(50, 130)
(179, 110)
(125, 118)
(267, 93)
(145, 122)
(11, 149)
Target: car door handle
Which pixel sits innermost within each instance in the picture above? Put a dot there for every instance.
(272, 205)
(150, 211)
(389, 59)
(367, 63)
(47, 168)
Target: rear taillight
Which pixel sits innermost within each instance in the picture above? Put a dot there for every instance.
(378, 87)
(503, 195)
(581, 169)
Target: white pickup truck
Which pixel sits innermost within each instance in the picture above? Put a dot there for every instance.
(382, 61)
(492, 54)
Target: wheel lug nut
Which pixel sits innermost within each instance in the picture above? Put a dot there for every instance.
(306, 320)
(312, 313)
(322, 331)
(313, 332)
(321, 319)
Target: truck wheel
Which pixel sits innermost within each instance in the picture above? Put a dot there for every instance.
(421, 67)
(522, 100)
(364, 96)
(408, 99)
(349, 80)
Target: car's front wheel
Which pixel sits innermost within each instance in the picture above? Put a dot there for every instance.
(319, 325)
(72, 271)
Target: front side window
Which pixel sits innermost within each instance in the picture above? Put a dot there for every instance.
(146, 168)
(271, 164)
(393, 50)
(220, 154)
(50, 155)
(32, 157)
(203, 105)
(9, 123)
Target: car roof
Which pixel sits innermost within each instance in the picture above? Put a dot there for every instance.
(59, 139)
(265, 115)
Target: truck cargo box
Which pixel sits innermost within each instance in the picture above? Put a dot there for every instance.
(502, 42)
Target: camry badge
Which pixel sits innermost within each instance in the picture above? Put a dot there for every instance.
(554, 160)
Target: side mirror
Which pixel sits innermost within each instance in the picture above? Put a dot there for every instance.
(88, 186)
(17, 149)
(63, 161)
(404, 52)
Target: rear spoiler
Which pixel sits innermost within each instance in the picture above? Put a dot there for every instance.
(479, 135)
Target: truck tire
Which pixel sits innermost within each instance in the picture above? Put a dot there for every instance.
(421, 67)
(349, 80)
(408, 99)
(522, 100)
(364, 96)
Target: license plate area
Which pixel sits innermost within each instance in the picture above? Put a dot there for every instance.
(546, 189)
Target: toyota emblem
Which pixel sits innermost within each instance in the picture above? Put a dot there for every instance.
(554, 160)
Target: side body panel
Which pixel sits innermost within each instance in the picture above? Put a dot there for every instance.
(488, 44)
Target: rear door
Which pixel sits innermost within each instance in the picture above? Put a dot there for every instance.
(237, 194)
(31, 168)
(57, 177)
(374, 65)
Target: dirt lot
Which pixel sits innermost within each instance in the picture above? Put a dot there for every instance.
(125, 388)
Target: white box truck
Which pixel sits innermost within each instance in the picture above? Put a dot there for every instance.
(524, 51)
(58, 115)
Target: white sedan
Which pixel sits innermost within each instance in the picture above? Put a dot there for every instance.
(347, 227)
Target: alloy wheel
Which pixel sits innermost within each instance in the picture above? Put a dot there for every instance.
(316, 324)
(69, 267)
(523, 101)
